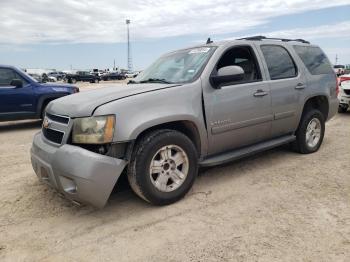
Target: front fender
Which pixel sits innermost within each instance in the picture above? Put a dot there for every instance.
(138, 113)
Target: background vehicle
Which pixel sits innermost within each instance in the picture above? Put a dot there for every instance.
(131, 74)
(200, 106)
(113, 76)
(37, 77)
(339, 69)
(84, 76)
(58, 75)
(46, 78)
(344, 93)
(23, 97)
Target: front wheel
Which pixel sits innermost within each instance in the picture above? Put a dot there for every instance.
(163, 167)
(310, 133)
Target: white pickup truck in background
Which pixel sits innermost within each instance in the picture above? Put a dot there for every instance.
(344, 93)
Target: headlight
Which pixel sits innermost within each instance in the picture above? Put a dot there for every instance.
(93, 130)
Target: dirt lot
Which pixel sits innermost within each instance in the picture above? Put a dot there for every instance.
(276, 206)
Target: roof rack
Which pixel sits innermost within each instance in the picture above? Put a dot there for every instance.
(261, 37)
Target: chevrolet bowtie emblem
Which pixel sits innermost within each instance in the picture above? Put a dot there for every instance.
(46, 123)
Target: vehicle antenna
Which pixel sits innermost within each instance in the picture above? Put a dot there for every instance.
(209, 41)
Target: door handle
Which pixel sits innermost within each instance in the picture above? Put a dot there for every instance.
(300, 86)
(260, 93)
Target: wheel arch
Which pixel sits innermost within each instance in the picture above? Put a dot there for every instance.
(319, 102)
(45, 100)
(186, 127)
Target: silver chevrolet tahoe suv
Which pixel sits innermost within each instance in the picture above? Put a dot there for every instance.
(199, 106)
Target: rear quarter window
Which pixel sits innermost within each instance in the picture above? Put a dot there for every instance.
(314, 59)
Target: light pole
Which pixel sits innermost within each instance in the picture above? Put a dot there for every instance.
(129, 47)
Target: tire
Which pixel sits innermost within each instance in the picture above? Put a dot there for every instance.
(310, 118)
(146, 184)
(96, 81)
(73, 81)
(342, 109)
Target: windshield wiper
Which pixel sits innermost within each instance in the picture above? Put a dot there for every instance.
(156, 80)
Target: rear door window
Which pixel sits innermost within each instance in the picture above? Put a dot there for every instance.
(279, 62)
(314, 59)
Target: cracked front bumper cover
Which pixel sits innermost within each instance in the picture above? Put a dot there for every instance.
(79, 174)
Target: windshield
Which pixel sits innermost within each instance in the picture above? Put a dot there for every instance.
(32, 77)
(177, 67)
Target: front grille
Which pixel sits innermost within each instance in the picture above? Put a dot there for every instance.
(57, 118)
(347, 91)
(53, 135)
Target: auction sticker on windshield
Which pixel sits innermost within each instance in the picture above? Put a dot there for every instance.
(199, 50)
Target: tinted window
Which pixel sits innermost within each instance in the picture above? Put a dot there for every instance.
(6, 76)
(243, 57)
(279, 62)
(314, 60)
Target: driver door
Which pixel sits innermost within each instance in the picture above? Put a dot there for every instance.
(13, 100)
(238, 113)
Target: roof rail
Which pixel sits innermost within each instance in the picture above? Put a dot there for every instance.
(261, 37)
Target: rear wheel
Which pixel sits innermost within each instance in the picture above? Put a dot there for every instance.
(310, 133)
(163, 167)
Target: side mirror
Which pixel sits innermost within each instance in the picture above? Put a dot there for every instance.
(227, 74)
(17, 83)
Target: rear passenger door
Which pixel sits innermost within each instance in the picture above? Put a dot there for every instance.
(287, 83)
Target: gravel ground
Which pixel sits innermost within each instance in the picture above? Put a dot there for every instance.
(276, 206)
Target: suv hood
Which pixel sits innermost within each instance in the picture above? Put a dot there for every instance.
(84, 103)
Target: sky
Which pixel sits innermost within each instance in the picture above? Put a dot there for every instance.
(64, 34)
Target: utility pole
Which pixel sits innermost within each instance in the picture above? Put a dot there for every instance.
(114, 65)
(129, 47)
(336, 59)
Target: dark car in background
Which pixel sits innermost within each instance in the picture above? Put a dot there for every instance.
(23, 97)
(113, 76)
(339, 69)
(84, 76)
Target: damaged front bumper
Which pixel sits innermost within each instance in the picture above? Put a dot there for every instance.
(80, 175)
